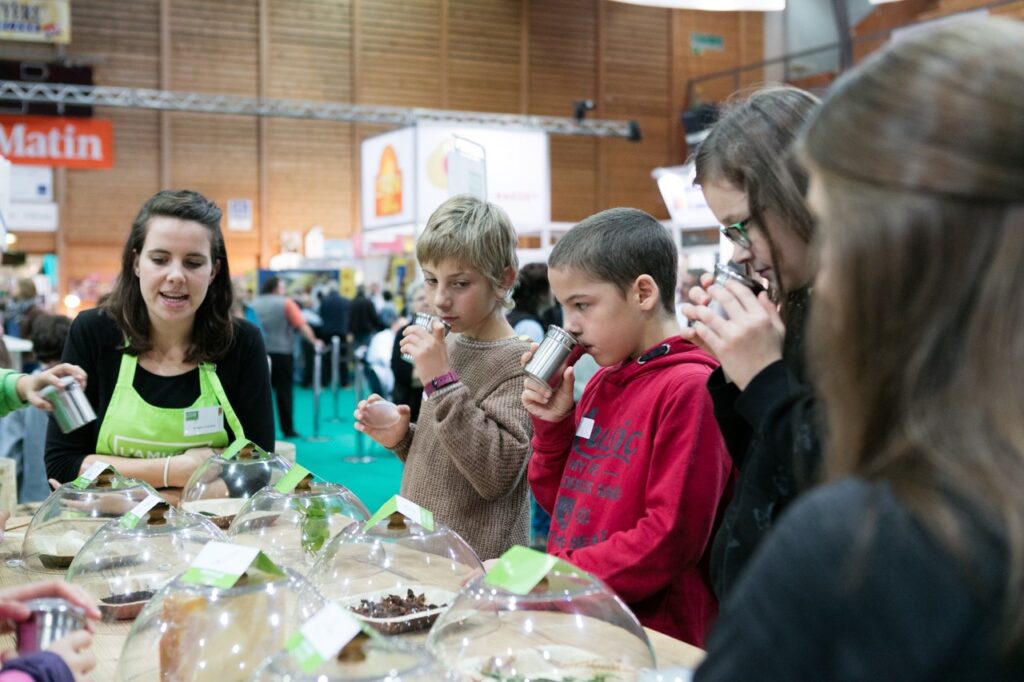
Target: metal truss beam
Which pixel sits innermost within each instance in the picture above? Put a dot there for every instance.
(166, 100)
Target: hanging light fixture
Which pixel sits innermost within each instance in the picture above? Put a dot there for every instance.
(716, 5)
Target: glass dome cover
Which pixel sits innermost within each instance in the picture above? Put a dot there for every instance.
(122, 567)
(291, 528)
(220, 486)
(198, 633)
(570, 626)
(364, 659)
(397, 575)
(70, 515)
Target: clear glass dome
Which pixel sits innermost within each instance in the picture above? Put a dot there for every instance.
(362, 660)
(123, 567)
(195, 633)
(219, 487)
(69, 517)
(570, 627)
(292, 528)
(397, 576)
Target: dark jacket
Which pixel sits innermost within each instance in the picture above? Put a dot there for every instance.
(851, 587)
(363, 319)
(408, 390)
(334, 314)
(774, 437)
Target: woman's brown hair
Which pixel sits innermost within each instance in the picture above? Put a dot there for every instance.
(918, 329)
(213, 330)
(751, 147)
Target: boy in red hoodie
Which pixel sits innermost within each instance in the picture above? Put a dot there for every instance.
(635, 475)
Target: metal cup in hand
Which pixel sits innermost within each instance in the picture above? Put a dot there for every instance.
(71, 409)
(426, 320)
(547, 364)
(725, 272)
(48, 620)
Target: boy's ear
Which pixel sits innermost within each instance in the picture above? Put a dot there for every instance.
(646, 291)
(508, 279)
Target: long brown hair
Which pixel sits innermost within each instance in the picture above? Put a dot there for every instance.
(751, 147)
(918, 327)
(213, 329)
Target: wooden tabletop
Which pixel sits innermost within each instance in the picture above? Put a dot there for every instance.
(109, 638)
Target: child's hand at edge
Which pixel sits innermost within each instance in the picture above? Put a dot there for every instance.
(76, 650)
(28, 387)
(389, 436)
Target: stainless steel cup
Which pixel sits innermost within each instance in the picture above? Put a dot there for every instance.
(735, 272)
(49, 619)
(71, 409)
(426, 320)
(547, 364)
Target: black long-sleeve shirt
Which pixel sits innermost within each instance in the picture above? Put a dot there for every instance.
(772, 432)
(93, 343)
(849, 586)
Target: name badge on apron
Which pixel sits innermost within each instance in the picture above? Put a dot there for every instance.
(200, 421)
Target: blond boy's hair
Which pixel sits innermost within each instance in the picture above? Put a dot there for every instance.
(474, 233)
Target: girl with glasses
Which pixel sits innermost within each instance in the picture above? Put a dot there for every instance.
(764, 407)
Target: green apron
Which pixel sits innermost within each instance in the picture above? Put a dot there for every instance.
(133, 428)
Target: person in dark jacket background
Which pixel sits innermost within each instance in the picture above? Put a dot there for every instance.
(764, 406)
(408, 390)
(334, 316)
(364, 321)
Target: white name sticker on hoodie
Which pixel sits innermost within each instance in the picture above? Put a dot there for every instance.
(585, 428)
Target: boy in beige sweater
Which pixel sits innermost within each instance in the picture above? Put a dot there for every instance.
(465, 459)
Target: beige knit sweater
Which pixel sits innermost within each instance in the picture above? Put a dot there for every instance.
(465, 459)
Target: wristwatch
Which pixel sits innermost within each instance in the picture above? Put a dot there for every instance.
(439, 382)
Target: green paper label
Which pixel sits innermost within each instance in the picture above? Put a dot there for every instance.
(232, 450)
(322, 637)
(406, 508)
(291, 479)
(520, 569)
(90, 475)
(132, 518)
(221, 564)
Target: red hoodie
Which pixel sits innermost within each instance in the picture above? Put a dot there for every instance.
(636, 502)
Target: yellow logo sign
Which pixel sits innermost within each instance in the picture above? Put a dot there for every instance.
(389, 184)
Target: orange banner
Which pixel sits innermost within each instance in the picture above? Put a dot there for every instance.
(57, 141)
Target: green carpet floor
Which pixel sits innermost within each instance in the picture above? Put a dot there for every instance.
(335, 458)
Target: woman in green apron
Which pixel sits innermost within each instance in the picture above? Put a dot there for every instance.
(173, 376)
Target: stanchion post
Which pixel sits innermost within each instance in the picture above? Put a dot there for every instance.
(318, 366)
(336, 375)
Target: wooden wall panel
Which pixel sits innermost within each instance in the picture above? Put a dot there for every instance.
(309, 163)
(98, 206)
(214, 46)
(636, 56)
(563, 68)
(310, 177)
(484, 53)
(743, 38)
(399, 53)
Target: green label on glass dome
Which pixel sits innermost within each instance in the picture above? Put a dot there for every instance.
(291, 479)
(322, 637)
(231, 451)
(221, 564)
(520, 569)
(406, 508)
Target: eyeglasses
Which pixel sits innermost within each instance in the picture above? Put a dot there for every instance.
(737, 233)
